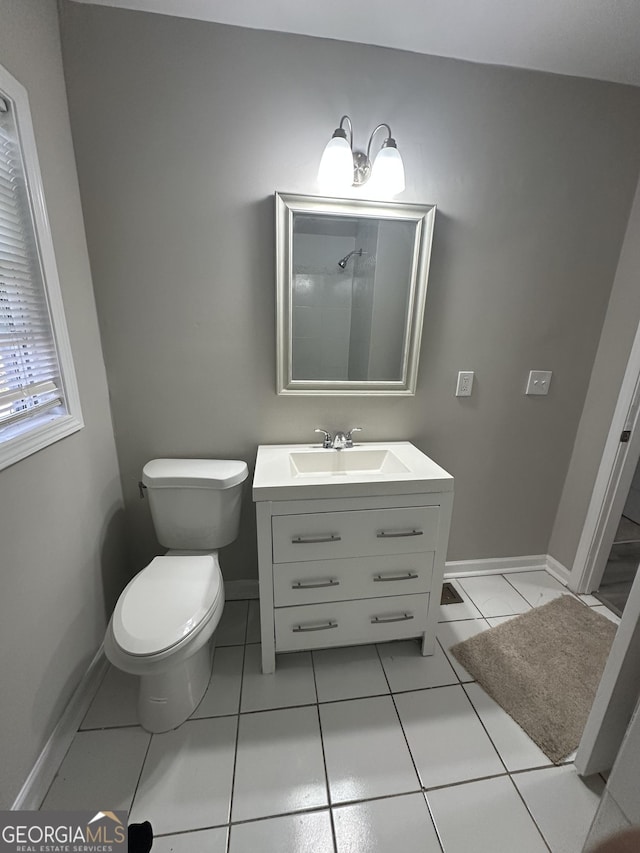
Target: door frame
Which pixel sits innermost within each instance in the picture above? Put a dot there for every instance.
(615, 473)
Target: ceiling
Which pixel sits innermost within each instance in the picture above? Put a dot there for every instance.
(584, 38)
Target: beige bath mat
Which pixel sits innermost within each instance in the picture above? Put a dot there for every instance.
(543, 668)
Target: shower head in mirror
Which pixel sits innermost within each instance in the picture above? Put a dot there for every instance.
(344, 261)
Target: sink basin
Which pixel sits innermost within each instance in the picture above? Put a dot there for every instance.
(304, 472)
(340, 463)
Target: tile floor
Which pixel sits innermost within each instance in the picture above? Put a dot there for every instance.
(370, 749)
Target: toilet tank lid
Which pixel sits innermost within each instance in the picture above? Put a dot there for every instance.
(196, 473)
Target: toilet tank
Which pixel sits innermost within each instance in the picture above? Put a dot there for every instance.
(195, 503)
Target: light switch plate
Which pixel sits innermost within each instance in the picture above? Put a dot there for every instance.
(539, 381)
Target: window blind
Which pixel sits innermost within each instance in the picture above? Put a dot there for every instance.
(30, 377)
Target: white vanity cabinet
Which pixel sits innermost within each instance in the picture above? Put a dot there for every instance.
(337, 569)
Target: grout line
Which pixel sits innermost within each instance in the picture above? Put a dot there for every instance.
(530, 813)
(406, 740)
(137, 785)
(395, 707)
(235, 755)
(324, 757)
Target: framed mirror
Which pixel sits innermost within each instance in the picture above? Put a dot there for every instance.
(351, 289)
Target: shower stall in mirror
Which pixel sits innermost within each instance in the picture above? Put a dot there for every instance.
(351, 292)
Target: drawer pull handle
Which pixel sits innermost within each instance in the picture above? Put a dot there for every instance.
(315, 584)
(407, 576)
(312, 540)
(383, 534)
(324, 626)
(381, 620)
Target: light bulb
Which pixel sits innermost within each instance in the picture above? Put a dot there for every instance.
(387, 173)
(336, 167)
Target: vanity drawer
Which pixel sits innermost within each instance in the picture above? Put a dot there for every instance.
(335, 535)
(316, 581)
(344, 623)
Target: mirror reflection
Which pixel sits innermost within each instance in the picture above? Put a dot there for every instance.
(351, 288)
(352, 281)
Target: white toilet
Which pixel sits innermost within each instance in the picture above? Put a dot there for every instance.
(166, 616)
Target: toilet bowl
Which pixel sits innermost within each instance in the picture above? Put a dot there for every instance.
(163, 624)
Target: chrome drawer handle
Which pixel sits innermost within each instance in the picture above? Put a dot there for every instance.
(382, 534)
(315, 584)
(408, 576)
(324, 626)
(381, 620)
(312, 540)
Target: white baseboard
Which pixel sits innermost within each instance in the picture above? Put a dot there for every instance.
(235, 590)
(557, 570)
(48, 762)
(495, 566)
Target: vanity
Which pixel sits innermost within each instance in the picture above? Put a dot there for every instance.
(351, 545)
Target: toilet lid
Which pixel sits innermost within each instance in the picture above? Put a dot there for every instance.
(165, 603)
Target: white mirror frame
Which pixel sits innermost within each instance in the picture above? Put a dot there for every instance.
(287, 205)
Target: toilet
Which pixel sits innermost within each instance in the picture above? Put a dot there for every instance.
(163, 624)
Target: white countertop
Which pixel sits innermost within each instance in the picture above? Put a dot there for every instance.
(276, 477)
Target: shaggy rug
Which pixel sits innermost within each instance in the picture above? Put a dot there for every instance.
(543, 668)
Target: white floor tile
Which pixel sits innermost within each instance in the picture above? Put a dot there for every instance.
(205, 841)
(100, 767)
(291, 684)
(115, 703)
(609, 614)
(484, 817)
(514, 746)
(365, 750)
(493, 596)
(407, 669)
(223, 694)
(348, 673)
(562, 805)
(279, 765)
(590, 600)
(232, 628)
(454, 612)
(398, 824)
(253, 621)
(498, 620)
(302, 833)
(187, 777)
(538, 587)
(445, 737)
(450, 633)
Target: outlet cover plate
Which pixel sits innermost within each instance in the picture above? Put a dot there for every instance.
(464, 386)
(538, 382)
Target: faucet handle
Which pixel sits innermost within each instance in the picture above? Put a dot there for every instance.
(327, 437)
(349, 435)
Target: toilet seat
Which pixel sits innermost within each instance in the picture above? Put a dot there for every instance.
(167, 604)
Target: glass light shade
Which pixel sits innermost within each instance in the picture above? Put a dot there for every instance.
(336, 166)
(387, 173)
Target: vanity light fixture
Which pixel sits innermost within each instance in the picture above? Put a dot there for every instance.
(341, 167)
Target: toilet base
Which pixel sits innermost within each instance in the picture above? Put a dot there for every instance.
(166, 699)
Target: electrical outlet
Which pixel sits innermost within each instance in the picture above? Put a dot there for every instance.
(465, 383)
(538, 382)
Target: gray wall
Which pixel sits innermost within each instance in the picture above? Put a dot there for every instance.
(618, 333)
(183, 130)
(60, 527)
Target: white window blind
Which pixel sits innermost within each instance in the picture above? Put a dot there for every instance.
(29, 370)
(39, 401)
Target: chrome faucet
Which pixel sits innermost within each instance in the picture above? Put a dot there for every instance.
(326, 442)
(340, 439)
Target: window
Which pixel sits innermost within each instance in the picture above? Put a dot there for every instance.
(39, 401)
